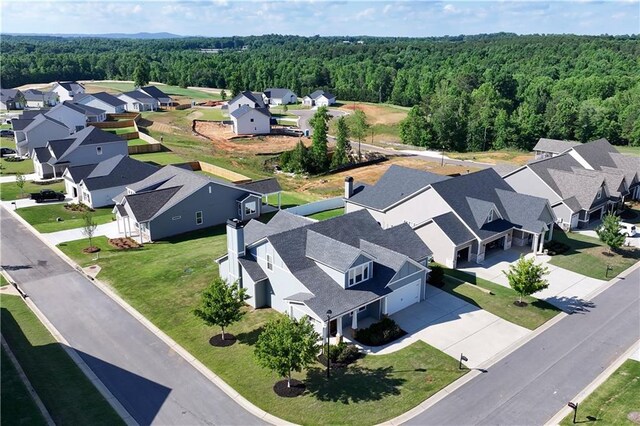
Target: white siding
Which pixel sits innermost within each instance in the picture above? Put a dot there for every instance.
(444, 251)
(253, 122)
(525, 181)
(418, 209)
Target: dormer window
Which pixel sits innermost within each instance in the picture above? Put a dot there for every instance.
(599, 195)
(358, 274)
(490, 217)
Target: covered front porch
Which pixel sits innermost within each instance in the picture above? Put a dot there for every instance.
(129, 227)
(345, 324)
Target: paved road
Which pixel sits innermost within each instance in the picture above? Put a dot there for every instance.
(532, 384)
(149, 378)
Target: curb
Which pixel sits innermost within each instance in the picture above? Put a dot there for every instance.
(602, 377)
(215, 379)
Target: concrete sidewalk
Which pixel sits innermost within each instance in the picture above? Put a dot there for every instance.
(109, 230)
(12, 178)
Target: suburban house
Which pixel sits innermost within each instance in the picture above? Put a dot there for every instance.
(32, 133)
(582, 184)
(88, 146)
(38, 99)
(461, 218)
(11, 99)
(279, 97)
(250, 99)
(163, 99)
(67, 90)
(96, 185)
(70, 115)
(138, 101)
(546, 148)
(348, 265)
(175, 200)
(251, 121)
(93, 115)
(319, 98)
(102, 100)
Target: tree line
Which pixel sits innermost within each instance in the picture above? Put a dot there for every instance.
(468, 92)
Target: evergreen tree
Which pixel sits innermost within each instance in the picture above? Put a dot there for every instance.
(141, 74)
(343, 147)
(319, 149)
(414, 130)
(609, 232)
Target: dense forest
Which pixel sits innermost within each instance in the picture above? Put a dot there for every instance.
(467, 92)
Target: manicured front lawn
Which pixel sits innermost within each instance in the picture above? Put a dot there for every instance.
(291, 199)
(16, 405)
(160, 158)
(121, 130)
(500, 303)
(377, 388)
(612, 401)
(67, 393)
(328, 214)
(589, 256)
(43, 217)
(12, 167)
(10, 191)
(136, 141)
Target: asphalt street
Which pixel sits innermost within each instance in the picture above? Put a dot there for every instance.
(152, 382)
(532, 384)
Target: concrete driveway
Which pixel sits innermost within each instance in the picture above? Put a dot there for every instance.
(306, 114)
(454, 327)
(567, 290)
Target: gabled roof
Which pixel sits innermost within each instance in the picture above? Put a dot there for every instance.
(89, 111)
(245, 109)
(252, 96)
(32, 113)
(263, 186)
(71, 85)
(318, 93)
(78, 173)
(40, 119)
(276, 93)
(582, 188)
(280, 222)
(554, 145)
(597, 153)
(335, 254)
(20, 124)
(36, 95)
(66, 105)
(138, 96)
(453, 228)
(117, 171)
(145, 205)
(42, 154)
(396, 184)
(154, 92)
(88, 136)
(8, 95)
(104, 97)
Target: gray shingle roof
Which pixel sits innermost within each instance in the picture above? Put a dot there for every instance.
(145, 205)
(31, 114)
(597, 153)
(139, 96)
(9, 95)
(20, 124)
(36, 95)
(277, 93)
(252, 96)
(39, 119)
(582, 188)
(104, 97)
(42, 154)
(263, 186)
(315, 95)
(60, 146)
(396, 184)
(65, 105)
(244, 109)
(253, 269)
(78, 173)
(554, 145)
(89, 111)
(453, 228)
(118, 171)
(154, 92)
(280, 222)
(70, 85)
(330, 252)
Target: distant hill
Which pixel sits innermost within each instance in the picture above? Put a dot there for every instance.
(141, 36)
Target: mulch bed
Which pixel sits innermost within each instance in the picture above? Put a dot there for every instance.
(124, 243)
(322, 359)
(520, 304)
(91, 249)
(281, 389)
(229, 339)
(76, 207)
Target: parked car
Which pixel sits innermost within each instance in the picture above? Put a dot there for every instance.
(5, 152)
(6, 133)
(47, 195)
(628, 229)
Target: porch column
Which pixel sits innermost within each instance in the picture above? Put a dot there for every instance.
(534, 246)
(354, 319)
(550, 236)
(541, 246)
(118, 222)
(339, 326)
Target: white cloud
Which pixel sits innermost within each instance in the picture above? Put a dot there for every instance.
(450, 9)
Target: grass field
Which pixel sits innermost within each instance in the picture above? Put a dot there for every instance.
(121, 130)
(493, 157)
(67, 393)
(160, 158)
(589, 256)
(629, 150)
(612, 401)
(97, 86)
(3, 281)
(328, 214)
(11, 168)
(43, 217)
(10, 191)
(214, 114)
(377, 388)
(500, 303)
(291, 199)
(16, 405)
(136, 141)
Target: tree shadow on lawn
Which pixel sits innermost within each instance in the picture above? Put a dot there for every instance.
(353, 384)
(627, 253)
(250, 338)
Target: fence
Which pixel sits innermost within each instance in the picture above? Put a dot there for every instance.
(219, 171)
(145, 149)
(113, 124)
(317, 206)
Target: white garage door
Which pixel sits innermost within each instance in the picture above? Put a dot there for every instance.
(403, 297)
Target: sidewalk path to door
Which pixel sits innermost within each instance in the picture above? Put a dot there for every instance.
(109, 230)
(12, 178)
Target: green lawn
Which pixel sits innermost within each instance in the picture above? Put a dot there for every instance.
(11, 167)
(169, 90)
(5, 126)
(3, 281)
(43, 217)
(7, 142)
(500, 303)
(588, 256)
(16, 405)
(630, 150)
(121, 130)
(160, 158)
(136, 141)
(376, 389)
(328, 214)
(291, 199)
(10, 191)
(214, 114)
(67, 393)
(612, 401)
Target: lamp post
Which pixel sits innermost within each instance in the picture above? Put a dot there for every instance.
(574, 405)
(328, 343)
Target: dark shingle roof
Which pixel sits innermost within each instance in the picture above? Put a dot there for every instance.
(244, 109)
(554, 145)
(78, 173)
(118, 171)
(597, 153)
(396, 184)
(453, 228)
(42, 154)
(276, 93)
(253, 269)
(139, 96)
(8, 95)
(254, 97)
(145, 205)
(20, 124)
(154, 92)
(89, 111)
(36, 95)
(315, 95)
(60, 146)
(263, 186)
(70, 85)
(326, 250)
(104, 97)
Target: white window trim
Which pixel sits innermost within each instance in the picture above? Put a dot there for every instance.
(362, 308)
(359, 270)
(248, 210)
(98, 150)
(201, 218)
(599, 194)
(269, 262)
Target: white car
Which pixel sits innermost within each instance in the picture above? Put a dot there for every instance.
(628, 229)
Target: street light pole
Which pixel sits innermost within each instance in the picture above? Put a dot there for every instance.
(328, 343)
(442, 161)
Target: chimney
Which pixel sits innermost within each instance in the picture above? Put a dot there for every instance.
(235, 248)
(348, 187)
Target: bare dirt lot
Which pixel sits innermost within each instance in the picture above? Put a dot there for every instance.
(378, 114)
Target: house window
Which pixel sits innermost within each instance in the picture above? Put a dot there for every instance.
(199, 218)
(251, 120)
(490, 217)
(359, 274)
(78, 128)
(250, 208)
(599, 195)
(362, 308)
(99, 150)
(269, 262)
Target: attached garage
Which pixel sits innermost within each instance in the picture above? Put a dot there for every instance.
(403, 297)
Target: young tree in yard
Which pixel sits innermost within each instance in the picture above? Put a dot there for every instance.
(223, 95)
(141, 74)
(319, 139)
(88, 226)
(20, 181)
(287, 345)
(609, 232)
(285, 108)
(343, 147)
(221, 304)
(359, 127)
(526, 277)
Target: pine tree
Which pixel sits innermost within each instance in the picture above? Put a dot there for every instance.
(319, 140)
(343, 147)
(609, 232)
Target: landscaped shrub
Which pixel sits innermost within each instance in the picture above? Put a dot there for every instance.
(13, 159)
(436, 276)
(380, 333)
(554, 247)
(77, 207)
(342, 353)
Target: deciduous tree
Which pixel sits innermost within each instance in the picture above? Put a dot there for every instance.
(527, 277)
(343, 147)
(221, 304)
(609, 232)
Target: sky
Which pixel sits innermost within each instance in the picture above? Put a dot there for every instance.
(323, 17)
